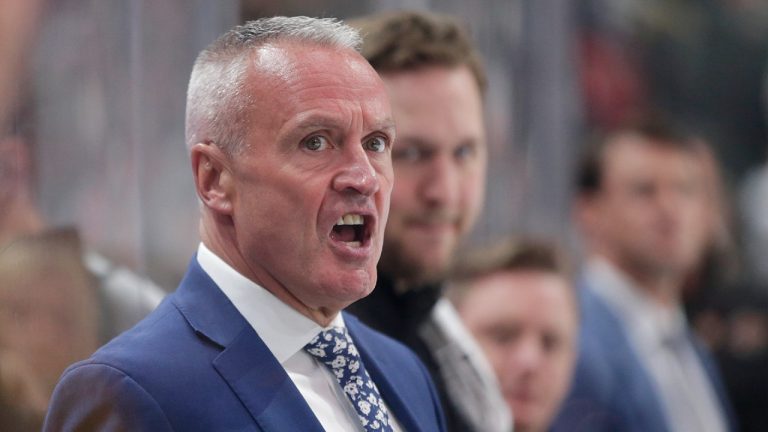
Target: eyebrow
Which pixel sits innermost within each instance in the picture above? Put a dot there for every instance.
(387, 125)
(315, 120)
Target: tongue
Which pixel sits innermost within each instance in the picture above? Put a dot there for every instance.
(345, 233)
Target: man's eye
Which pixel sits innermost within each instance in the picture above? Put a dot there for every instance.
(465, 151)
(642, 189)
(376, 144)
(504, 336)
(316, 143)
(551, 342)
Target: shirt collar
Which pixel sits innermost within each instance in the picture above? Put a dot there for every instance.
(646, 319)
(283, 329)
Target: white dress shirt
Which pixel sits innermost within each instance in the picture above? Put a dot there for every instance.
(659, 335)
(285, 332)
(469, 377)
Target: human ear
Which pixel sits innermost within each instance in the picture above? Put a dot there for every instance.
(213, 177)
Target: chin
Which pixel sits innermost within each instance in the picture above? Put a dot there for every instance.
(349, 287)
(435, 269)
(529, 423)
(527, 427)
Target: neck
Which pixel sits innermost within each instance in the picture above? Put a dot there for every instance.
(663, 289)
(661, 285)
(223, 245)
(528, 428)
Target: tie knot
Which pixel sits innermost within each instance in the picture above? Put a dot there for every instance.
(333, 347)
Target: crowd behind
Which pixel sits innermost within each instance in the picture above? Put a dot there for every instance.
(658, 322)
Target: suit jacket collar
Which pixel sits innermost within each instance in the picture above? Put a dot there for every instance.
(245, 363)
(255, 375)
(601, 323)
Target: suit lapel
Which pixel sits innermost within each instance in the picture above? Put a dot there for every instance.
(245, 363)
(263, 386)
(385, 375)
(711, 370)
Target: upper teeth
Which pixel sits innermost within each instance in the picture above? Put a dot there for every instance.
(350, 219)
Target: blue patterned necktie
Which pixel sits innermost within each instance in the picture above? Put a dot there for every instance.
(335, 349)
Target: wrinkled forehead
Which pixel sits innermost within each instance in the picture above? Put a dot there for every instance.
(286, 78)
(293, 63)
(630, 145)
(635, 154)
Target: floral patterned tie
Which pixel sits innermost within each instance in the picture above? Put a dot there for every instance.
(335, 349)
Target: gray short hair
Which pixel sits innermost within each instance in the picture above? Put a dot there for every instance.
(217, 103)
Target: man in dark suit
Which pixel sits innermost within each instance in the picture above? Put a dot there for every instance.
(642, 206)
(436, 83)
(289, 131)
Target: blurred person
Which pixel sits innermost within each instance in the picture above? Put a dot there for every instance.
(58, 303)
(519, 303)
(19, 20)
(49, 305)
(726, 309)
(719, 265)
(23, 393)
(289, 133)
(641, 203)
(718, 268)
(22, 402)
(49, 318)
(124, 297)
(436, 84)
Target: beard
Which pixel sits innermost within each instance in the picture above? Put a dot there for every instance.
(400, 265)
(647, 267)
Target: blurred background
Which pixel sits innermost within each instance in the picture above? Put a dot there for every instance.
(100, 85)
(109, 83)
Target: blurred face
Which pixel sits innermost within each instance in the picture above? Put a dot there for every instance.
(439, 160)
(649, 216)
(310, 193)
(526, 323)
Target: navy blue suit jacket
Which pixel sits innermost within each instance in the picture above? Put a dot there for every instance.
(195, 364)
(611, 390)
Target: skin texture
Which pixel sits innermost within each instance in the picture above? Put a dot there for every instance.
(440, 163)
(648, 218)
(318, 147)
(526, 323)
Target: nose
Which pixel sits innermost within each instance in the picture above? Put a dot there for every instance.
(526, 356)
(668, 200)
(357, 173)
(440, 184)
(671, 205)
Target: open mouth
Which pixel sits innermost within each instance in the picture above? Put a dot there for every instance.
(352, 229)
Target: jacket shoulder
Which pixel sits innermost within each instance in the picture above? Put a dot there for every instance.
(95, 396)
